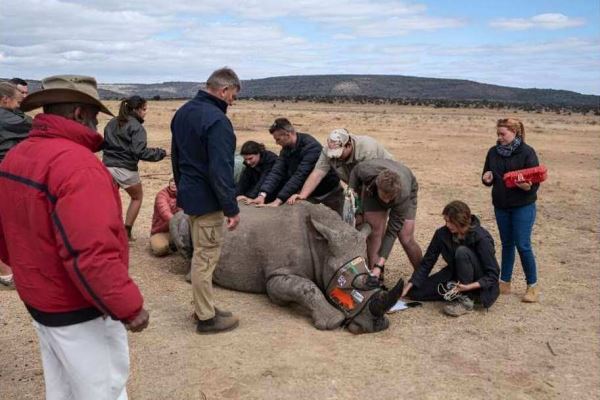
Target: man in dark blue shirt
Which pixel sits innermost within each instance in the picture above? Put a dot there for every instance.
(203, 147)
(298, 156)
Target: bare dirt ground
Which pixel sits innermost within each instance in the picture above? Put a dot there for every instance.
(548, 350)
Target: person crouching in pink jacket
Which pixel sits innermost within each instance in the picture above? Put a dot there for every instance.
(165, 206)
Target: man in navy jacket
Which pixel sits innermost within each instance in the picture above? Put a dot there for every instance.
(203, 147)
(298, 156)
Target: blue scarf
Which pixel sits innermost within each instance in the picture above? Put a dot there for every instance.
(506, 150)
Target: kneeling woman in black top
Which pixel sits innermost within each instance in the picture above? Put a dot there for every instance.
(258, 162)
(472, 269)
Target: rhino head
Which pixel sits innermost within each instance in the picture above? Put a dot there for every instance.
(345, 245)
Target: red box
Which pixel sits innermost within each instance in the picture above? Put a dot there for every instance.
(534, 175)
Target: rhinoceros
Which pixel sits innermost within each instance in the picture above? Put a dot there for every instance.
(295, 254)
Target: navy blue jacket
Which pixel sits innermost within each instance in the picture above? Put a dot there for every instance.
(502, 197)
(202, 154)
(252, 179)
(293, 167)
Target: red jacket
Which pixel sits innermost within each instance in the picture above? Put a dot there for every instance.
(165, 206)
(61, 227)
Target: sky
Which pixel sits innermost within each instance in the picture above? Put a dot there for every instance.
(520, 43)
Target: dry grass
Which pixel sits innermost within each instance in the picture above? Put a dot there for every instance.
(548, 350)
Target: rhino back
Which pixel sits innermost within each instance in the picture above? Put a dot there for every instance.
(268, 241)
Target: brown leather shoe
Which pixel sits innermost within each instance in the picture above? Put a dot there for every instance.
(504, 287)
(217, 324)
(218, 311)
(223, 313)
(7, 282)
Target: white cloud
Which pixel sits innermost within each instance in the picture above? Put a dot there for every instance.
(343, 36)
(157, 40)
(542, 21)
(404, 25)
(358, 16)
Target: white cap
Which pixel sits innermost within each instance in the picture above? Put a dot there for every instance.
(336, 141)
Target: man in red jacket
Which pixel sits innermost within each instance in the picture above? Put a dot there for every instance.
(165, 206)
(61, 232)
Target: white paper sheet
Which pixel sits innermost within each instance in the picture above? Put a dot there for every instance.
(399, 306)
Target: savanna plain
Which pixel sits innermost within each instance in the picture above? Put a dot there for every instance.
(548, 350)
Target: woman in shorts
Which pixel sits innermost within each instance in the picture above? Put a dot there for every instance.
(125, 144)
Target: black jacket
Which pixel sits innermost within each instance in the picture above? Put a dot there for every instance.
(203, 147)
(124, 146)
(251, 179)
(14, 127)
(502, 197)
(293, 167)
(477, 239)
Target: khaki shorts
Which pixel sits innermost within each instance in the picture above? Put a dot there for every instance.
(409, 211)
(124, 177)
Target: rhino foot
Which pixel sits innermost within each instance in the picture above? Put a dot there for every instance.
(328, 322)
(283, 289)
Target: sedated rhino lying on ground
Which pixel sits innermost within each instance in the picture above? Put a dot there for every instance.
(291, 253)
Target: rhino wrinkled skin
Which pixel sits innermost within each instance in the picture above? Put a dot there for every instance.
(290, 253)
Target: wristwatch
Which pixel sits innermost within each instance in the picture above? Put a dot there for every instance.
(262, 194)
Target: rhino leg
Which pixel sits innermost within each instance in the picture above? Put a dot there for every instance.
(285, 289)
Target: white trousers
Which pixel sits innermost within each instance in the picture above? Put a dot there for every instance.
(86, 361)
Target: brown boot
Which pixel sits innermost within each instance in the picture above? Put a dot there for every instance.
(532, 295)
(217, 324)
(504, 287)
(218, 311)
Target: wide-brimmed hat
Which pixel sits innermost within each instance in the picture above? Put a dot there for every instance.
(336, 141)
(65, 89)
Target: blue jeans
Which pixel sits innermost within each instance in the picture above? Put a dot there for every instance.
(515, 226)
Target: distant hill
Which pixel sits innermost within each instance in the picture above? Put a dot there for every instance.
(407, 87)
(388, 87)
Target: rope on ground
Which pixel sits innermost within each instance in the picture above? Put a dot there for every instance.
(156, 175)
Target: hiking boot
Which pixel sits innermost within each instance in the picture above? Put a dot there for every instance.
(223, 313)
(218, 311)
(7, 281)
(532, 295)
(504, 287)
(462, 305)
(217, 324)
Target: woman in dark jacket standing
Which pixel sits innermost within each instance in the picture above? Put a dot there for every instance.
(125, 142)
(514, 207)
(258, 162)
(472, 269)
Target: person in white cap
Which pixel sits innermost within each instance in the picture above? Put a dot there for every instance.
(61, 232)
(342, 153)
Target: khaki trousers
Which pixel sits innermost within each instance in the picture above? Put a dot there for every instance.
(159, 243)
(207, 238)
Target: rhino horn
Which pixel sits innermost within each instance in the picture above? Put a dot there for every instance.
(392, 296)
(377, 305)
(386, 300)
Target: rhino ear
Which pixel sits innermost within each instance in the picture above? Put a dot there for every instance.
(329, 234)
